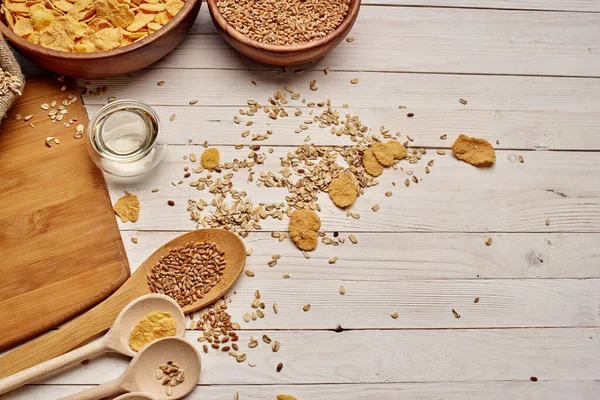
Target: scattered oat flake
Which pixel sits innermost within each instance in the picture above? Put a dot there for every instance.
(134, 240)
(394, 315)
(306, 307)
(463, 101)
(160, 83)
(332, 260)
(521, 159)
(342, 290)
(476, 300)
(28, 117)
(488, 241)
(326, 71)
(547, 221)
(354, 81)
(350, 39)
(353, 239)
(172, 118)
(285, 397)
(194, 101)
(456, 314)
(252, 82)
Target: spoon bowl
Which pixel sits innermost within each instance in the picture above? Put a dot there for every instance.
(140, 375)
(143, 368)
(117, 338)
(134, 396)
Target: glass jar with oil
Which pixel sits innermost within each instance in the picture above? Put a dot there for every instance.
(125, 138)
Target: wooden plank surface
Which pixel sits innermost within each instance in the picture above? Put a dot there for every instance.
(374, 90)
(528, 70)
(519, 130)
(398, 256)
(408, 39)
(491, 390)
(390, 356)
(544, 5)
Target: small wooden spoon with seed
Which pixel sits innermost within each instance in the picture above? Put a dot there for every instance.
(140, 376)
(116, 340)
(97, 320)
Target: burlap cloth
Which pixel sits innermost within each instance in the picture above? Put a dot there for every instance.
(9, 64)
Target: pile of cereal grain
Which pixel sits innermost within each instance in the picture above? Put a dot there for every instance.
(186, 274)
(282, 22)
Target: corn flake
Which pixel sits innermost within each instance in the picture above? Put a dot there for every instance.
(342, 190)
(128, 207)
(210, 158)
(372, 166)
(303, 227)
(475, 151)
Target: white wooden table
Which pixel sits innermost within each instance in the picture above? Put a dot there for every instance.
(530, 71)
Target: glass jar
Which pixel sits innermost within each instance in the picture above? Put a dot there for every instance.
(125, 138)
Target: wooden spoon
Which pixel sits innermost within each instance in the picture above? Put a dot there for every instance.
(116, 340)
(140, 376)
(134, 396)
(97, 320)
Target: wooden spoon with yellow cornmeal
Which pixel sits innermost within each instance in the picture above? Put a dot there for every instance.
(97, 320)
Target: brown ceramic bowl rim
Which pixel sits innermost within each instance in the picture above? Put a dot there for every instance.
(36, 48)
(285, 48)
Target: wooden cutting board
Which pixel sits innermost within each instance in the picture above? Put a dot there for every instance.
(60, 247)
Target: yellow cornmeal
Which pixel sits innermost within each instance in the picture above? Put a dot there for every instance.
(153, 326)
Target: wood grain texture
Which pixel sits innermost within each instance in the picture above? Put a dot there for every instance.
(491, 390)
(370, 356)
(523, 130)
(375, 90)
(408, 39)
(399, 256)
(546, 5)
(510, 197)
(503, 303)
(60, 248)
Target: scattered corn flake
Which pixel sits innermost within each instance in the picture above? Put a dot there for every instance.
(475, 151)
(383, 154)
(285, 397)
(303, 227)
(128, 207)
(210, 158)
(397, 149)
(342, 190)
(372, 166)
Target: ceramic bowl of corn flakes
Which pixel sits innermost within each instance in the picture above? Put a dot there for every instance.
(96, 38)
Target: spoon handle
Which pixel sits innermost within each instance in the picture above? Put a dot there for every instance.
(99, 392)
(51, 366)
